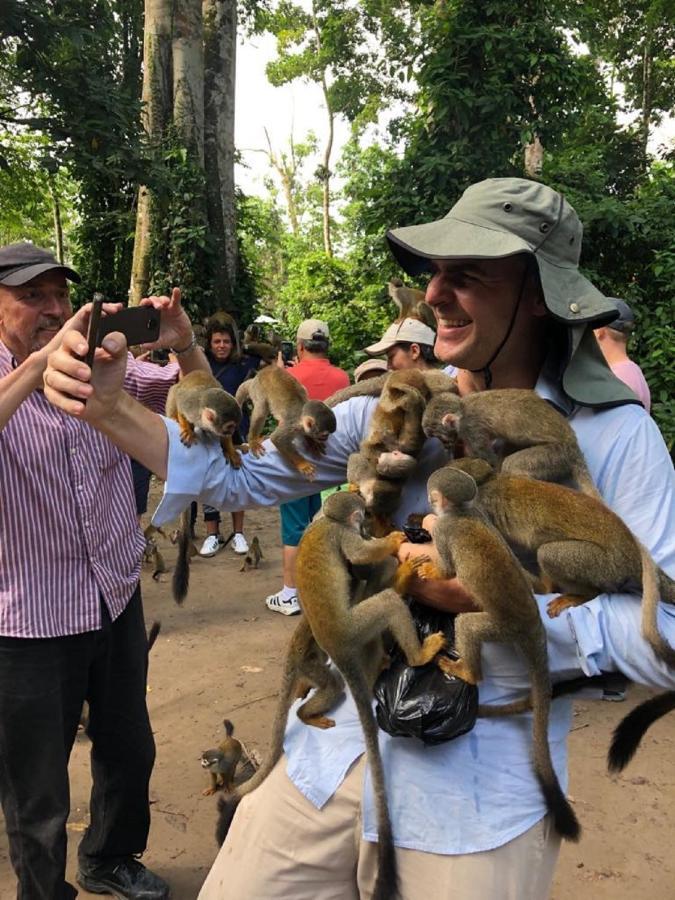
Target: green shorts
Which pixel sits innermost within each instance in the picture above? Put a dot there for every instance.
(296, 516)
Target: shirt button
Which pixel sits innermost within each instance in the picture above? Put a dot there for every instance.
(73, 451)
(574, 307)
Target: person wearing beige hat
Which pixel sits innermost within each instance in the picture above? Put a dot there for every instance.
(408, 344)
(369, 368)
(469, 821)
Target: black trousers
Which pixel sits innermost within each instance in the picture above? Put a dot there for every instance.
(43, 683)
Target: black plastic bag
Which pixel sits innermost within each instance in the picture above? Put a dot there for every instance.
(421, 701)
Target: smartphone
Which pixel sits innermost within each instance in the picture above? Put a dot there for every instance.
(287, 350)
(139, 324)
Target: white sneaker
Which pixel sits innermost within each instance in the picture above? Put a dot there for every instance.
(239, 543)
(289, 607)
(211, 545)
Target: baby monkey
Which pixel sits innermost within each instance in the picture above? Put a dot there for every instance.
(253, 557)
(473, 551)
(221, 762)
(274, 392)
(198, 403)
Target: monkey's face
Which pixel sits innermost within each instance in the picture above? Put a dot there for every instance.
(437, 502)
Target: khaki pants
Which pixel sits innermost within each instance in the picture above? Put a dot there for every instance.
(280, 847)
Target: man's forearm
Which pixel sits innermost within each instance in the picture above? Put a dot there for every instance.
(139, 432)
(19, 384)
(446, 594)
(192, 361)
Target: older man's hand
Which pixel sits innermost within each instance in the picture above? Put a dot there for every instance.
(90, 394)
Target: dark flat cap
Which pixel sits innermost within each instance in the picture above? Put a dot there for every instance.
(24, 261)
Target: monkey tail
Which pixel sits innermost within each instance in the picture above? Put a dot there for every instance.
(386, 883)
(666, 586)
(181, 574)
(227, 806)
(153, 633)
(229, 727)
(564, 819)
(650, 604)
(560, 689)
(631, 729)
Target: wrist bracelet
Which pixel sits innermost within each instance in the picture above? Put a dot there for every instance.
(190, 346)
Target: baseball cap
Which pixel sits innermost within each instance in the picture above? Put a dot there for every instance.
(409, 330)
(23, 261)
(369, 367)
(626, 321)
(310, 329)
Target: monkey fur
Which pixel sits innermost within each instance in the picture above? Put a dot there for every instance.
(411, 303)
(274, 392)
(352, 635)
(538, 440)
(582, 547)
(253, 557)
(631, 729)
(221, 761)
(473, 551)
(199, 404)
(437, 382)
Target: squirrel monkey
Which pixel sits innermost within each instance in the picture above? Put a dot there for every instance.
(253, 556)
(436, 380)
(198, 403)
(221, 762)
(411, 303)
(475, 552)
(582, 547)
(543, 440)
(273, 391)
(351, 635)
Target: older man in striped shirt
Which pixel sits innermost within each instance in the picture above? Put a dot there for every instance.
(71, 621)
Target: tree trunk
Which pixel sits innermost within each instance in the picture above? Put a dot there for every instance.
(155, 115)
(58, 229)
(647, 94)
(188, 76)
(326, 173)
(220, 45)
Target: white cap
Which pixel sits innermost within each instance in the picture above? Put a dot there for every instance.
(310, 327)
(370, 366)
(410, 331)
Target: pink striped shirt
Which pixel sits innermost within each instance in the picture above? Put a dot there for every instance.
(68, 529)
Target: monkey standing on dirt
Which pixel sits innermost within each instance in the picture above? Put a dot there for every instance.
(543, 440)
(253, 556)
(221, 762)
(474, 552)
(198, 403)
(582, 547)
(274, 392)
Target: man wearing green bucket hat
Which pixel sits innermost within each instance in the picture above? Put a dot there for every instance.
(469, 820)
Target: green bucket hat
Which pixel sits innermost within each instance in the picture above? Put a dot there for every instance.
(502, 217)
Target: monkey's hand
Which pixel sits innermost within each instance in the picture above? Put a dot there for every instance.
(187, 431)
(456, 669)
(209, 791)
(307, 469)
(319, 722)
(431, 646)
(315, 445)
(429, 571)
(565, 601)
(406, 570)
(396, 538)
(255, 447)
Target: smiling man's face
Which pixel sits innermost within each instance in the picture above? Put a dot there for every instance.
(32, 313)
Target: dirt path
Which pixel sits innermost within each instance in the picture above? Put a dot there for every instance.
(220, 656)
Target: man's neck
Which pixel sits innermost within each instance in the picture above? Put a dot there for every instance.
(470, 382)
(614, 353)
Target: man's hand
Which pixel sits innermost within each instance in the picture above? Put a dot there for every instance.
(176, 328)
(89, 394)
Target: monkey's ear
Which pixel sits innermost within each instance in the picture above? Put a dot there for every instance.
(208, 417)
(308, 423)
(449, 420)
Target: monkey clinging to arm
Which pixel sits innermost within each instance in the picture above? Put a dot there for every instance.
(544, 443)
(274, 392)
(199, 404)
(474, 552)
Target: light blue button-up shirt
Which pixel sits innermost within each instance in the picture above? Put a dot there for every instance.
(478, 791)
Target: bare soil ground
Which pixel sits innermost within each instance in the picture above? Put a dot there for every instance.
(220, 655)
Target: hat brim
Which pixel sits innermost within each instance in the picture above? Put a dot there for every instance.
(568, 295)
(27, 273)
(379, 348)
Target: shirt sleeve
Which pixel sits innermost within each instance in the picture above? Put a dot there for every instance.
(150, 383)
(637, 481)
(201, 472)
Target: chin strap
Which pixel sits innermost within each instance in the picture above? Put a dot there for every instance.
(486, 371)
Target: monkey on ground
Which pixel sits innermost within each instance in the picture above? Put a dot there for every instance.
(274, 392)
(437, 382)
(473, 551)
(306, 663)
(582, 547)
(410, 303)
(253, 557)
(221, 761)
(352, 635)
(199, 404)
(159, 567)
(538, 440)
